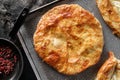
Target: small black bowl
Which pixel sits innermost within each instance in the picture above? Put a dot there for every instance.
(18, 68)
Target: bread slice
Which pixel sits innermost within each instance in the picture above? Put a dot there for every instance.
(69, 38)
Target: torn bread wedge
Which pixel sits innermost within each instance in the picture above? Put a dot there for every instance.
(108, 69)
(110, 11)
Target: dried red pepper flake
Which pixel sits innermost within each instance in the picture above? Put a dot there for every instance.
(8, 59)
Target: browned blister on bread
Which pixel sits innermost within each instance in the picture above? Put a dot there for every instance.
(69, 39)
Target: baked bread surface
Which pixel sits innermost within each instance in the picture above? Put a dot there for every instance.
(110, 10)
(69, 39)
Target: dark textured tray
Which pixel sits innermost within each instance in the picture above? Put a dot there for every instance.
(44, 71)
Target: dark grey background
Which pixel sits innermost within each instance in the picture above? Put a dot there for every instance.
(45, 72)
(9, 11)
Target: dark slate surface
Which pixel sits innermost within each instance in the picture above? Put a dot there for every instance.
(9, 11)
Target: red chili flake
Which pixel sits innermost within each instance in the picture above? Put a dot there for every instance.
(8, 60)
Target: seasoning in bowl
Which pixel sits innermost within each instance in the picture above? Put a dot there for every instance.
(8, 59)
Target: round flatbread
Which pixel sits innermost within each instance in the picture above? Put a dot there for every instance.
(110, 10)
(69, 39)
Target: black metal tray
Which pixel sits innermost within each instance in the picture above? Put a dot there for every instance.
(44, 71)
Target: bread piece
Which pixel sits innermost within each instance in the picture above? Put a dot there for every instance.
(110, 10)
(69, 39)
(107, 69)
(110, 70)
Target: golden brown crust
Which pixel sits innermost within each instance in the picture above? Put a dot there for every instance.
(107, 69)
(69, 39)
(110, 14)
